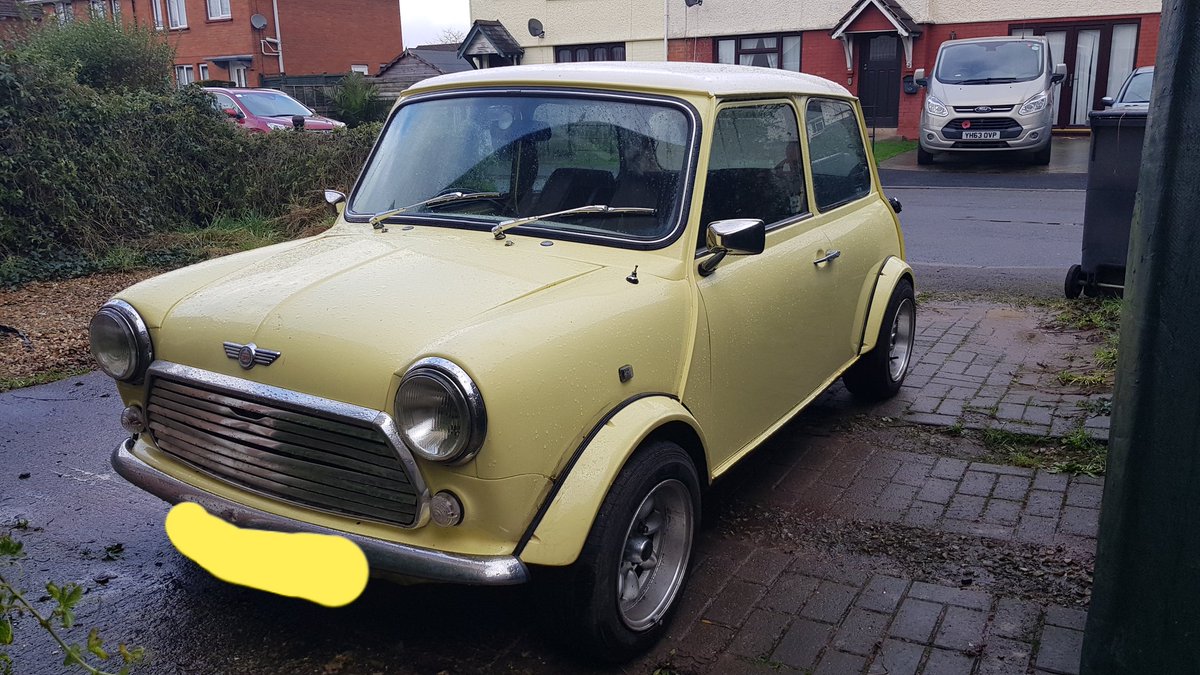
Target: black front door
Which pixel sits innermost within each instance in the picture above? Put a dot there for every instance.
(879, 79)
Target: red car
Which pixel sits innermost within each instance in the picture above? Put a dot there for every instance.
(268, 110)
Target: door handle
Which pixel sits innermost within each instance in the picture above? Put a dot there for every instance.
(828, 256)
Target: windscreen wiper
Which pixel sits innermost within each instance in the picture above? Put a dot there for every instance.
(989, 80)
(377, 219)
(603, 209)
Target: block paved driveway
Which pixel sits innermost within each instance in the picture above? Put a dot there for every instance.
(858, 540)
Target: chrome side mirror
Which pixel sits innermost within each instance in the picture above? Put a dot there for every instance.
(919, 77)
(336, 201)
(1060, 73)
(739, 236)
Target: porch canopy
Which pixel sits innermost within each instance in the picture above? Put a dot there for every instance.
(489, 44)
(876, 16)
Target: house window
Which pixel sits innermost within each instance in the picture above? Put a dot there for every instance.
(176, 14)
(97, 8)
(237, 74)
(579, 53)
(203, 71)
(116, 9)
(184, 75)
(765, 51)
(62, 12)
(218, 9)
(359, 68)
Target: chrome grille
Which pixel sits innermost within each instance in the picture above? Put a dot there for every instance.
(286, 451)
(975, 109)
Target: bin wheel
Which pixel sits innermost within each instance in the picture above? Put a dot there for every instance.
(924, 157)
(1074, 282)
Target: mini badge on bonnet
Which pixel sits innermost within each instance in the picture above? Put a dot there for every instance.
(249, 355)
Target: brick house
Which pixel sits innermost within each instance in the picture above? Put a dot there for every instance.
(870, 46)
(244, 40)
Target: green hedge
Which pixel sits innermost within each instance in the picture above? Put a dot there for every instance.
(84, 169)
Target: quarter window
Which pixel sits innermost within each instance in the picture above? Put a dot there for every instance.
(765, 51)
(218, 9)
(614, 51)
(755, 168)
(839, 159)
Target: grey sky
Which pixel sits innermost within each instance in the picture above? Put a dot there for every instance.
(423, 20)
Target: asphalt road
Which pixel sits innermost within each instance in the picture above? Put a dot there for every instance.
(55, 442)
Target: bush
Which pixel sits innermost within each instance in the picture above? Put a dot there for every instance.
(356, 101)
(105, 55)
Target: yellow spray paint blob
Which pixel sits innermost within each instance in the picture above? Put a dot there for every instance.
(326, 569)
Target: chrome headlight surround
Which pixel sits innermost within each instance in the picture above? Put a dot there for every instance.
(120, 342)
(1036, 104)
(935, 107)
(438, 376)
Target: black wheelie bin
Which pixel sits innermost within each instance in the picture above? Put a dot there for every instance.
(1113, 168)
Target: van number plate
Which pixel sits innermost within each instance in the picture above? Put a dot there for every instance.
(981, 135)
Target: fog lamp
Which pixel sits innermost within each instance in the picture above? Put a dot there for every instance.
(446, 509)
(133, 419)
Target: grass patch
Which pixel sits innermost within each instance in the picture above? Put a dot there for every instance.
(10, 383)
(1102, 315)
(1075, 453)
(885, 150)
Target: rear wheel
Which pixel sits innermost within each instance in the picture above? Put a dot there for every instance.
(879, 373)
(1074, 282)
(924, 157)
(619, 595)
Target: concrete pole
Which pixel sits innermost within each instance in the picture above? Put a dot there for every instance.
(1145, 613)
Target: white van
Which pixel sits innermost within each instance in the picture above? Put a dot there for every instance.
(989, 94)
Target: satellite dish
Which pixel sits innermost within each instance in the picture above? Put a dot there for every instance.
(536, 29)
(693, 3)
(258, 22)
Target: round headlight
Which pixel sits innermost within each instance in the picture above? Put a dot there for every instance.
(439, 411)
(120, 342)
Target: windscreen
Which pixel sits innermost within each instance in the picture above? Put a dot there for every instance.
(991, 62)
(533, 155)
(1139, 88)
(273, 104)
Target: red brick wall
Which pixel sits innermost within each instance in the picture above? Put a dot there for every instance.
(871, 19)
(697, 50)
(823, 56)
(328, 36)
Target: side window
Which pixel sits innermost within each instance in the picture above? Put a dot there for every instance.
(754, 169)
(224, 102)
(835, 146)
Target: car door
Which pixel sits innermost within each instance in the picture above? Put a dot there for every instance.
(852, 215)
(763, 315)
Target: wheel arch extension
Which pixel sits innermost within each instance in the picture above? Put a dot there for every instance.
(561, 525)
(891, 273)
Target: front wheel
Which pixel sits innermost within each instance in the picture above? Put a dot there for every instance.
(924, 157)
(620, 593)
(879, 373)
(1042, 157)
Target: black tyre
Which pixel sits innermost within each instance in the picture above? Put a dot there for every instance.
(620, 594)
(1073, 284)
(879, 373)
(924, 157)
(1042, 157)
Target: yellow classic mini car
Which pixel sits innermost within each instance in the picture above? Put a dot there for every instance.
(559, 302)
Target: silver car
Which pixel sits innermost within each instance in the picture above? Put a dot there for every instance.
(989, 94)
(1134, 93)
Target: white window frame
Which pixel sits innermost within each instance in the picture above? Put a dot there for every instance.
(237, 74)
(203, 71)
(116, 9)
(96, 7)
(156, 5)
(176, 13)
(360, 68)
(64, 12)
(222, 9)
(185, 74)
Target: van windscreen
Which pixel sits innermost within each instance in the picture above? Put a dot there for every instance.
(991, 62)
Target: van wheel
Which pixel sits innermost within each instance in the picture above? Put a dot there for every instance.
(1042, 157)
(620, 594)
(924, 157)
(879, 373)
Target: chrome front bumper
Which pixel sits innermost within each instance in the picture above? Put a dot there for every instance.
(385, 557)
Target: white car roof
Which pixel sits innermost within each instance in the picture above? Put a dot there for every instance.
(702, 78)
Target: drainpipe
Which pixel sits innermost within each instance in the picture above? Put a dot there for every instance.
(666, 29)
(278, 39)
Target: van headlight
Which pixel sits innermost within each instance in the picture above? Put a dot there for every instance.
(934, 106)
(1034, 105)
(439, 412)
(120, 342)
